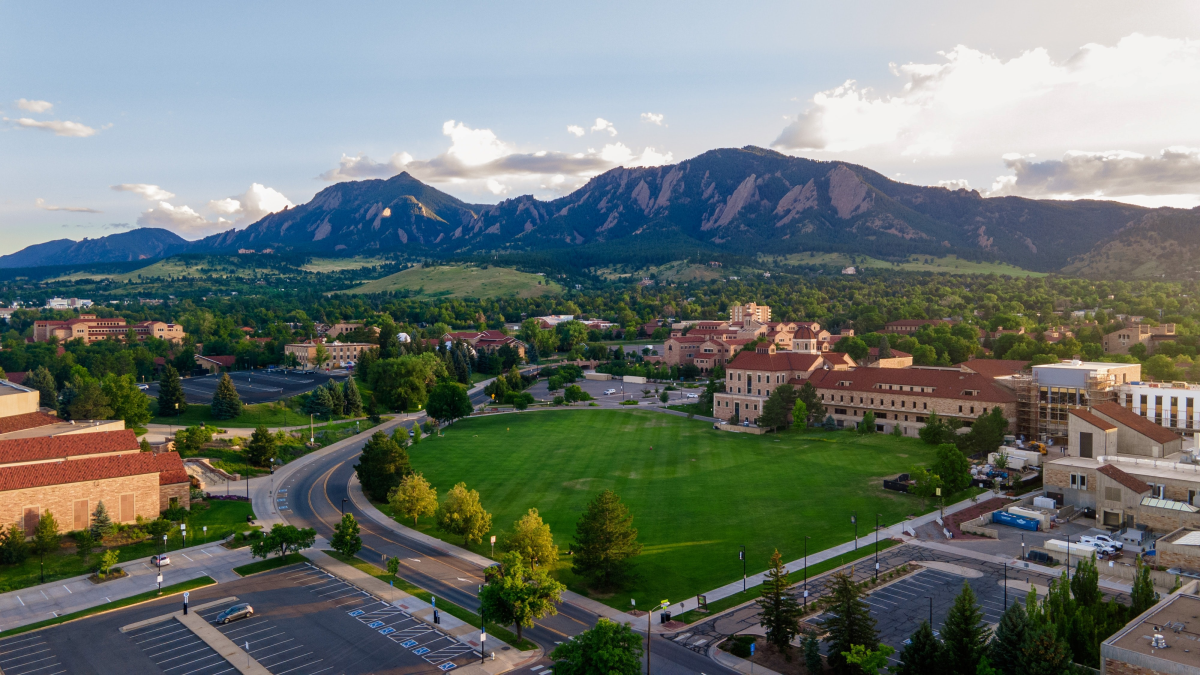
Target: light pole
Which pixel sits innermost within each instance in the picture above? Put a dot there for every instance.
(806, 538)
(930, 612)
(312, 436)
(649, 617)
(1005, 586)
(854, 519)
(342, 506)
(877, 546)
(742, 557)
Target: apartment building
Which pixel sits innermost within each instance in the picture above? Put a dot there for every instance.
(1119, 342)
(340, 354)
(749, 311)
(90, 329)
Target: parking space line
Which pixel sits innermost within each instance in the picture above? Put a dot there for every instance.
(203, 647)
(298, 657)
(303, 665)
(202, 658)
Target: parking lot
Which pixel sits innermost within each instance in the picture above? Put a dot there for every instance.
(253, 386)
(29, 654)
(597, 388)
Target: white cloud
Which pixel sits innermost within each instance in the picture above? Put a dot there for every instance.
(603, 125)
(34, 106)
(1140, 93)
(1169, 178)
(955, 184)
(619, 154)
(496, 187)
(577, 130)
(250, 206)
(149, 192)
(180, 218)
(57, 127)
(361, 166)
(41, 204)
(653, 118)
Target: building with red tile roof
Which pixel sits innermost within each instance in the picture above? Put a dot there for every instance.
(71, 447)
(751, 376)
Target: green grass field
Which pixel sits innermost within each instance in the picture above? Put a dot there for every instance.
(695, 498)
(270, 414)
(322, 265)
(462, 281)
(918, 263)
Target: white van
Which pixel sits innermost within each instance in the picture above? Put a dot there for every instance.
(609, 392)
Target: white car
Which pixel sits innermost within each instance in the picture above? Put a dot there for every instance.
(1103, 541)
(693, 395)
(160, 560)
(609, 392)
(144, 387)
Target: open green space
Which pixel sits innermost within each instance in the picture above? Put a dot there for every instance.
(275, 414)
(949, 264)
(222, 518)
(322, 265)
(462, 281)
(696, 495)
(225, 457)
(173, 589)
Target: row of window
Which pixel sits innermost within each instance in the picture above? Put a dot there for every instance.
(779, 377)
(81, 513)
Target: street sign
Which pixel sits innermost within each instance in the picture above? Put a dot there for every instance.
(160, 578)
(493, 539)
(701, 602)
(752, 649)
(185, 596)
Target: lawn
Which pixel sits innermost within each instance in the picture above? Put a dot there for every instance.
(696, 497)
(234, 461)
(271, 414)
(949, 264)
(462, 281)
(222, 518)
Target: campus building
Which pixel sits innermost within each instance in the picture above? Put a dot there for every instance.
(340, 354)
(1048, 393)
(749, 311)
(1171, 405)
(1160, 641)
(90, 329)
(485, 341)
(1119, 342)
(751, 376)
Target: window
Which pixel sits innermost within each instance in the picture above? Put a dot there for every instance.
(925, 406)
(1112, 494)
(1079, 481)
(960, 408)
(839, 411)
(81, 514)
(127, 512)
(1156, 490)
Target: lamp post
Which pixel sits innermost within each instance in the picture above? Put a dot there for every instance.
(1005, 586)
(312, 436)
(930, 612)
(806, 538)
(854, 519)
(742, 557)
(342, 506)
(649, 617)
(877, 516)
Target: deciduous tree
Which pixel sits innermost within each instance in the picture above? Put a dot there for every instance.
(462, 514)
(447, 402)
(605, 541)
(85, 543)
(953, 468)
(13, 549)
(513, 594)
(382, 465)
(346, 539)
(413, 498)
(127, 401)
(608, 648)
(531, 538)
(282, 540)
(43, 381)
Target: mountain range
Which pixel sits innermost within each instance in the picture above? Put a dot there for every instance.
(743, 201)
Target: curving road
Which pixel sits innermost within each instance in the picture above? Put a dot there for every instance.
(313, 495)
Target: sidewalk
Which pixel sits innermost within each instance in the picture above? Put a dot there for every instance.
(37, 603)
(1017, 565)
(895, 530)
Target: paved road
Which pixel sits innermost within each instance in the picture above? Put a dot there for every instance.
(312, 497)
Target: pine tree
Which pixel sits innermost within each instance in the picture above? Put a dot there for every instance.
(850, 623)
(382, 465)
(102, 524)
(1004, 651)
(922, 655)
(885, 348)
(1043, 653)
(337, 402)
(354, 404)
(144, 445)
(780, 612)
(319, 402)
(261, 448)
(1143, 595)
(812, 655)
(964, 634)
(171, 400)
(13, 549)
(226, 404)
(605, 541)
(43, 381)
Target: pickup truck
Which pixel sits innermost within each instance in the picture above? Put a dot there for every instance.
(1102, 541)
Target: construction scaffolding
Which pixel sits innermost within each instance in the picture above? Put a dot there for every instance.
(1042, 411)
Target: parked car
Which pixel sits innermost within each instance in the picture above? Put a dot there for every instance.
(609, 392)
(144, 387)
(1101, 547)
(160, 560)
(693, 395)
(1107, 540)
(239, 611)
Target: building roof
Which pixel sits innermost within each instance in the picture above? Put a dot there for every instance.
(10, 387)
(896, 354)
(1093, 420)
(223, 361)
(996, 367)
(777, 362)
(838, 359)
(953, 384)
(167, 465)
(1137, 423)
(915, 322)
(685, 339)
(1123, 478)
(25, 421)
(46, 448)
(15, 378)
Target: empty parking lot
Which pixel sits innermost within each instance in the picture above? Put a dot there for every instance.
(253, 386)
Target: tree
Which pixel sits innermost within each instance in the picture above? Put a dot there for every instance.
(813, 407)
(986, 434)
(513, 594)
(107, 560)
(953, 468)
(354, 404)
(780, 612)
(1004, 651)
(319, 402)
(605, 541)
(45, 535)
(413, 498)
(226, 404)
(102, 524)
(43, 381)
(812, 655)
(531, 538)
(13, 549)
(1043, 653)
(337, 402)
(867, 425)
(664, 397)
(192, 439)
(885, 348)
(800, 414)
(283, 539)
(346, 539)
(1143, 595)
(462, 514)
(171, 399)
(127, 401)
(869, 661)
(608, 648)
(777, 406)
(261, 448)
(854, 346)
(575, 393)
(1085, 585)
(85, 543)
(447, 402)
(382, 465)
(923, 653)
(320, 356)
(83, 399)
(144, 445)
(938, 430)
(850, 623)
(964, 634)
(926, 484)
(829, 424)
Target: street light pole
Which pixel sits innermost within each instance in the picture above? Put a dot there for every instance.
(806, 538)
(1006, 586)
(930, 612)
(854, 519)
(342, 506)
(742, 555)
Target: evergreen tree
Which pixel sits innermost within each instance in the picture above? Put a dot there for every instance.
(780, 612)
(1143, 595)
(354, 404)
(829, 424)
(144, 445)
(319, 402)
(779, 403)
(850, 623)
(41, 380)
(171, 400)
(605, 541)
(85, 543)
(867, 426)
(102, 524)
(382, 465)
(389, 341)
(964, 634)
(45, 536)
(226, 404)
(812, 402)
(1005, 649)
(13, 549)
(885, 348)
(373, 411)
(812, 655)
(922, 655)
(337, 401)
(1043, 653)
(261, 448)
(346, 539)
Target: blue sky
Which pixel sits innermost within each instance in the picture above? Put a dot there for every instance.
(204, 116)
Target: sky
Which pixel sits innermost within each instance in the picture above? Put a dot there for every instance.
(202, 117)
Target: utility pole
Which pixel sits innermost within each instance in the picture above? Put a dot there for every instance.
(742, 556)
(877, 547)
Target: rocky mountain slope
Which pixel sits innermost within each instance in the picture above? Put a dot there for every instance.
(145, 243)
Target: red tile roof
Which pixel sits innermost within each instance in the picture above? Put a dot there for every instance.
(26, 421)
(685, 339)
(168, 466)
(15, 378)
(1137, 423)
(73, 445)
(995, 367)
(225, 361)
(1124, 479)
(1093, 420)
(777, 362)
(896, 353)
(839, 359)
(938, 383)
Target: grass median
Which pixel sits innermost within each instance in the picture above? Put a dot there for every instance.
(173, 589)
(460, 613)
(269, 564)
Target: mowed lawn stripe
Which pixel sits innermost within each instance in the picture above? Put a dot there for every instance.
(765, 492)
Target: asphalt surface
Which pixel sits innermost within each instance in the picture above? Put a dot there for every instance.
(313, 497)
(253, 386)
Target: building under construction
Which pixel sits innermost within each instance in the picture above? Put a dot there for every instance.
(1046, 396)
